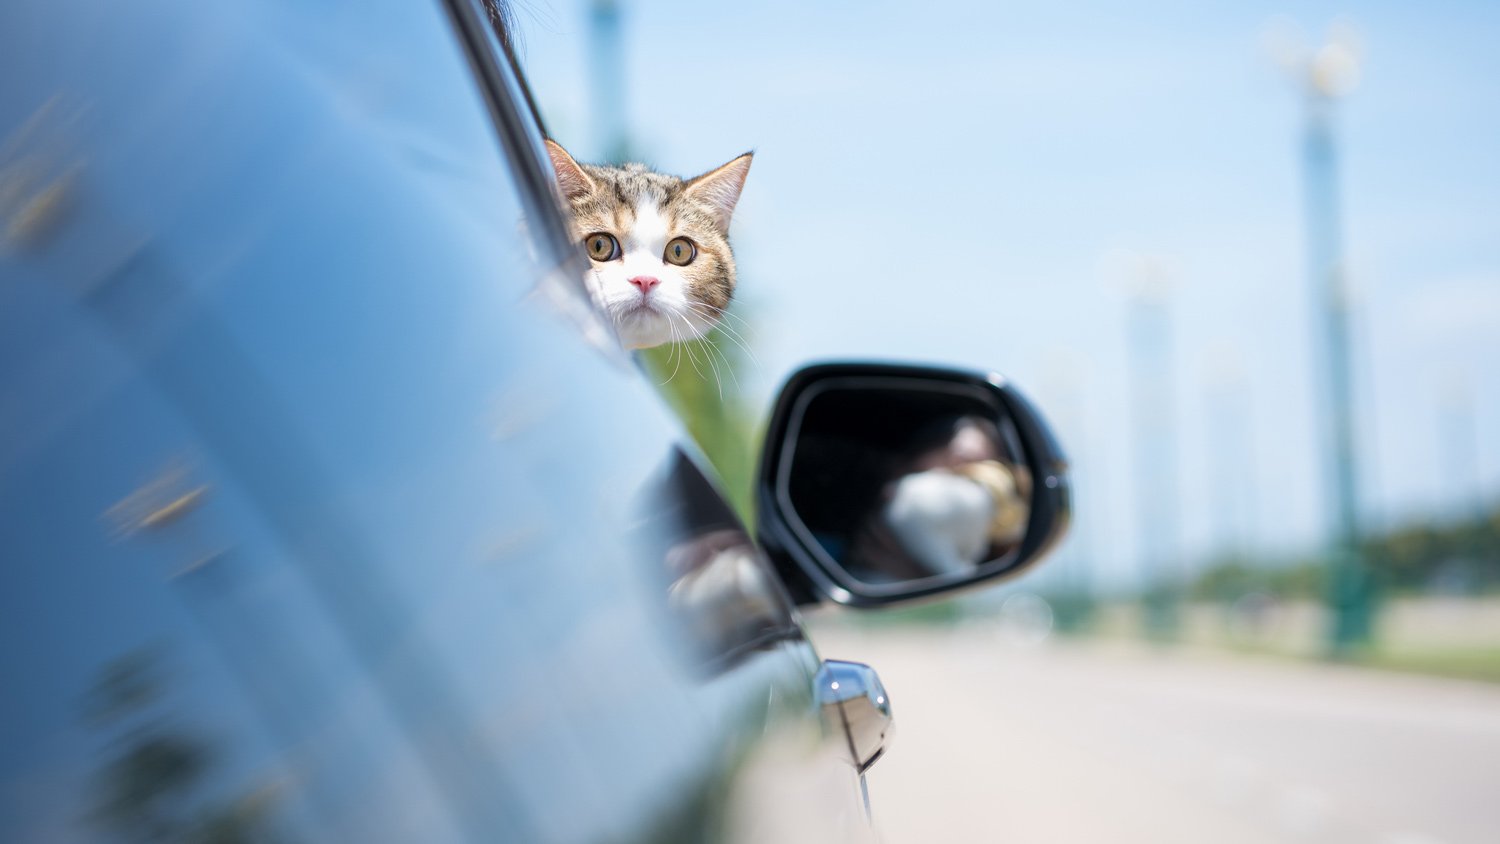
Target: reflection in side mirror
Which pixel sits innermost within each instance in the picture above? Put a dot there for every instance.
(883, 483)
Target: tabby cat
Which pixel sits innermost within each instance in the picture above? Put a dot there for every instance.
(658, 246)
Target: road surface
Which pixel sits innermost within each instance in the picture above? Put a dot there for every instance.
(1122, 743)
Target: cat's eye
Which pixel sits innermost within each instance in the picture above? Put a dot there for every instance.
(602, 247)
(680, 251)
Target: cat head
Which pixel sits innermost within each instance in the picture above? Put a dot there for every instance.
(658, 245)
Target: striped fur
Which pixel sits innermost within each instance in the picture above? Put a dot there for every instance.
(644, 210)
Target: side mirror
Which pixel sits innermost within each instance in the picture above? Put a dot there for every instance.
(885, 483)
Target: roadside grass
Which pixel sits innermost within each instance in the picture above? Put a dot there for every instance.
(1426, 641)
(1467, 663)
(1413, 648)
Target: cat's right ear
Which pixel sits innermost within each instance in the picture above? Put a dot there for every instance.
(570, 177)
(721, 187)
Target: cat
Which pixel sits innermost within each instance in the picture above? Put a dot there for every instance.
(658, 246)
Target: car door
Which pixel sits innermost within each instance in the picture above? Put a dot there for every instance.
(328, 511)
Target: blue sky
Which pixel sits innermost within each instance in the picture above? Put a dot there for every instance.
(959, 182)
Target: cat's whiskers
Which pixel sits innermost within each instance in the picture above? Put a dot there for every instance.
(676, 352)
(709, 350)
(728, 366)
(720, 316)
(724, 315)
(729, 333)
(713, 349)
(687, 346)
(708, 356)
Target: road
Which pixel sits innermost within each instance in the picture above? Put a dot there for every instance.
(1122, 743)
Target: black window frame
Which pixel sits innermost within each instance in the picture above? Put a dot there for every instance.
(518, 125)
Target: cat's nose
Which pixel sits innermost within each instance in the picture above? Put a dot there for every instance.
(644, 283)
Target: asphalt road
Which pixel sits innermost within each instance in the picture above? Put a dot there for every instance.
(1121, 743)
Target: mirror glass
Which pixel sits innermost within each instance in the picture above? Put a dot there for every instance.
(900, 480)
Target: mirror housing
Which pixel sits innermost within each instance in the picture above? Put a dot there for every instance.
(846, 445)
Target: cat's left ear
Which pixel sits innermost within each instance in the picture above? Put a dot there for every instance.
(720, 188)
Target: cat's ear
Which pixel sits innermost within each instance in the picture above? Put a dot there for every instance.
(570, 177)
(720, 188)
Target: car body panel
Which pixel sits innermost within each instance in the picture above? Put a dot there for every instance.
(326, 514)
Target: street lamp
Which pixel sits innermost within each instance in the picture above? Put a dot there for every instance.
(1324, 75)
(606, 48)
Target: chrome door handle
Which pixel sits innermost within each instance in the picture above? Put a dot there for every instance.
(854, 703)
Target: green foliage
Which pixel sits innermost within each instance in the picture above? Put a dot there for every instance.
(701, 382)
(1072, 611)
(1233, 577)
(1469, 663)
(1462, 555)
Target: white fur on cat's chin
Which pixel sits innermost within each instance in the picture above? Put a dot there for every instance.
(671, 316)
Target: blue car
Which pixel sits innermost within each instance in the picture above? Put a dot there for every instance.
(331, 511)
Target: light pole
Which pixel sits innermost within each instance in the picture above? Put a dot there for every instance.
(1324, 75)
(607, 80)
(1153, 399)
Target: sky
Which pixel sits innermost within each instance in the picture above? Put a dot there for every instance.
(972, 184)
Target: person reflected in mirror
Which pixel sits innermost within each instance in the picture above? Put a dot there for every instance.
(958, 499)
